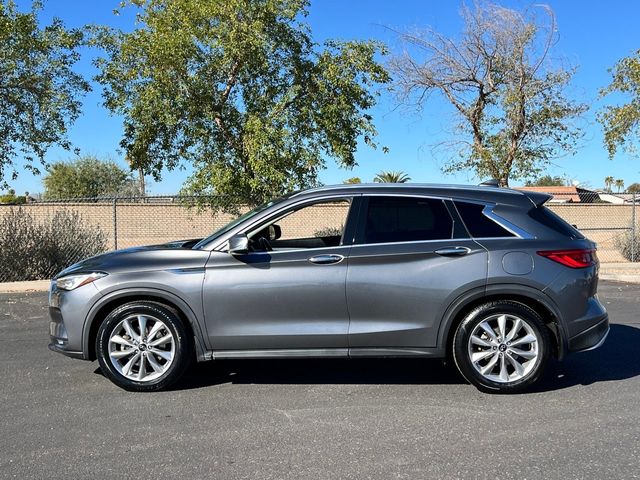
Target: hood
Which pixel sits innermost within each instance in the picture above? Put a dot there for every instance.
(172, 255)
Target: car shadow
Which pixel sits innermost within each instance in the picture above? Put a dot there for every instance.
(319, 371)
(617, 359)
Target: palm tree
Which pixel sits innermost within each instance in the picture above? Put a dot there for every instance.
(619, 184)
(391, 177)
(608, 181)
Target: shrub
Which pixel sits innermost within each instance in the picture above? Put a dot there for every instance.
(11, 199)
(33, 251)
(328, 232)
(626, 243)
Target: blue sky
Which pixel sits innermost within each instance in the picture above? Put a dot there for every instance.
(593, 35)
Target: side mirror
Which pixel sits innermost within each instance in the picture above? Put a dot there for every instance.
(238, 244)
(275, 232)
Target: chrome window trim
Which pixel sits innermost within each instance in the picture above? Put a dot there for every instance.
(457, 239)
(293, 250)
(507, 225)
(488, 211)
(408, 242)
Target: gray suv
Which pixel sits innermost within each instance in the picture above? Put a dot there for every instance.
(486, 276)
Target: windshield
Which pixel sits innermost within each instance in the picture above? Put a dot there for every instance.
(237, 221)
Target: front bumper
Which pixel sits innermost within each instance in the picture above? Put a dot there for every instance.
(591, 338)
(58, 335)
(67, 312)
(54, 347)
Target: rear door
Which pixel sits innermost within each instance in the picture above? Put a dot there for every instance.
(411, 258)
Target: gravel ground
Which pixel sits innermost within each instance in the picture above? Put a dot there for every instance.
(318, 418)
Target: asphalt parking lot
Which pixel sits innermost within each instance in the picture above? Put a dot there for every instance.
(318, 419)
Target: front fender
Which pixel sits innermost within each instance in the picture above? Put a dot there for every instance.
(117, 297)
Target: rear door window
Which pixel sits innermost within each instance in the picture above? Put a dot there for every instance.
(391, 219)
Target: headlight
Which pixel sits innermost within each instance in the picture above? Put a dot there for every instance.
(71, 282)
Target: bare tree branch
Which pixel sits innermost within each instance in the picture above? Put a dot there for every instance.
(497, 78)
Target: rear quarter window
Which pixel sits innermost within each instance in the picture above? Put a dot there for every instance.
(551, 220)
(478, 224)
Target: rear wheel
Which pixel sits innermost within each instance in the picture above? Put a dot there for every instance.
(143, 346)
(501, 346)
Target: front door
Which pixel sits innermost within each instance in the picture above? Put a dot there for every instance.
(288, 291)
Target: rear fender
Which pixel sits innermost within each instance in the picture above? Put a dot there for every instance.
(495, 291)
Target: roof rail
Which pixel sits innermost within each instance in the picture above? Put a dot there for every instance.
(490, 183)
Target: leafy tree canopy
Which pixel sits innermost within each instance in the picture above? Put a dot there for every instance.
(547, 181)
(39, 92)
(87, 177)
(634, 188)
(353, 180)
(12, 198)
(621, 123)
(240, 90)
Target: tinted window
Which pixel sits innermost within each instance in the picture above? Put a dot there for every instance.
(478, 224)
(554, 222)
(405, 219)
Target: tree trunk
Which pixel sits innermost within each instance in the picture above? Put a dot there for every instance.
(143, 191)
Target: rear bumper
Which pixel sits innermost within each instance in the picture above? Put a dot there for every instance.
(591, 338)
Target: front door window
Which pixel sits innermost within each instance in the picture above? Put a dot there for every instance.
(317, 225)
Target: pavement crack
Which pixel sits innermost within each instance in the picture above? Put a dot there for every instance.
(285, 413)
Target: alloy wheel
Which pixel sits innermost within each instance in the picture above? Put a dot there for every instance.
(503, 348)
(141, 348)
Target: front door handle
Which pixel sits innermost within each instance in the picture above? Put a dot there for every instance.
(326, 259)
(453, 251)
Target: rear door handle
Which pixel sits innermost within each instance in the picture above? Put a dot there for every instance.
(326, 259)
(453, 251)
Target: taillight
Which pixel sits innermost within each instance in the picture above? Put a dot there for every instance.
(578, 258)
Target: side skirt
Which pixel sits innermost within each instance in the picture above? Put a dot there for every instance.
(325, 353)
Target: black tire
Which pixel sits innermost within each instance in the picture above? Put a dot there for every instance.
(463, 348)
(182, 350)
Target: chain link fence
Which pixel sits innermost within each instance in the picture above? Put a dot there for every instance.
(611, 220)
(39, 239)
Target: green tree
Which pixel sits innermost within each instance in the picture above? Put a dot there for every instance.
(39, 92)
(621, 123)
(619, 184)
(608, 183)
(240, 90)
(353, 180)
(391, 177)
(12, 199)
(547, 181)
(633, 188)
(88, 177)
(508, 97)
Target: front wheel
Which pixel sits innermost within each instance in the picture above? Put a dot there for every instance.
(143, 346)
(501, 347)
